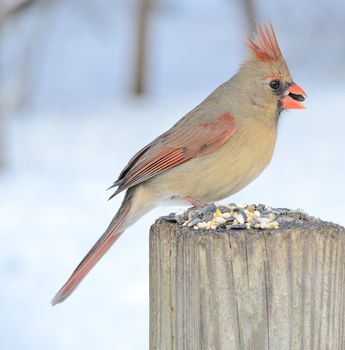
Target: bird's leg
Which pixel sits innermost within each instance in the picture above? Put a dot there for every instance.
(196, 202)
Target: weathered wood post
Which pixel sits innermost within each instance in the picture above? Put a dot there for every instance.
(248, 289)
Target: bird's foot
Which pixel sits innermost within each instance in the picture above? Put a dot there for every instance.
(196, 202)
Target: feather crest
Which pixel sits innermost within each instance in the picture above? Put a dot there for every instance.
(265, 46)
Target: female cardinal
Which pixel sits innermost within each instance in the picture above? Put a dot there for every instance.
(214, 151)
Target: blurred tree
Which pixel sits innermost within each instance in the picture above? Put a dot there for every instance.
(250, 14)
(9, 11)
(143, 14)
(12, 8)
(19, 75)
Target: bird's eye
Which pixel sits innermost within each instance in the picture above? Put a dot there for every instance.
(275, 84)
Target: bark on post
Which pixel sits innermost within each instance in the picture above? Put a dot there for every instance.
(247, 289)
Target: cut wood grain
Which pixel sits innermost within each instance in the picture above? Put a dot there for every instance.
(247, 289)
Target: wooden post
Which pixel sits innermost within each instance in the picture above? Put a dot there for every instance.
(247, 289)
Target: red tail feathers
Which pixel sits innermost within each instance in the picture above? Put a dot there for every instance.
(109, 237)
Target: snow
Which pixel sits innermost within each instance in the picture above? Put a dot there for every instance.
(80, 130)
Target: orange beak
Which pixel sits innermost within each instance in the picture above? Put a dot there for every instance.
(293, 99)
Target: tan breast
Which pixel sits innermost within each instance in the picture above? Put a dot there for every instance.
(223, 172)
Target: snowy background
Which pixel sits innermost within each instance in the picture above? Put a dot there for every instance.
(80, 124)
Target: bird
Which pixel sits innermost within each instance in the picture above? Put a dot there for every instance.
(214, 151)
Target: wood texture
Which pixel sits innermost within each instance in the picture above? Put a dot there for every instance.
(249, 289)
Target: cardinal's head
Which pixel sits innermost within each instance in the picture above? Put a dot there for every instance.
(266, 76)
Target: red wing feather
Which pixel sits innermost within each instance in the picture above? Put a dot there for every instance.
(174, 148)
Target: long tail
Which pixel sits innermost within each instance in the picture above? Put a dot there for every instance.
(109, 237)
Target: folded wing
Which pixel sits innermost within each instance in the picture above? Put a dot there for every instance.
(175, 147)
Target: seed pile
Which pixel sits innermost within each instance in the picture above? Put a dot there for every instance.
(230, 216)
